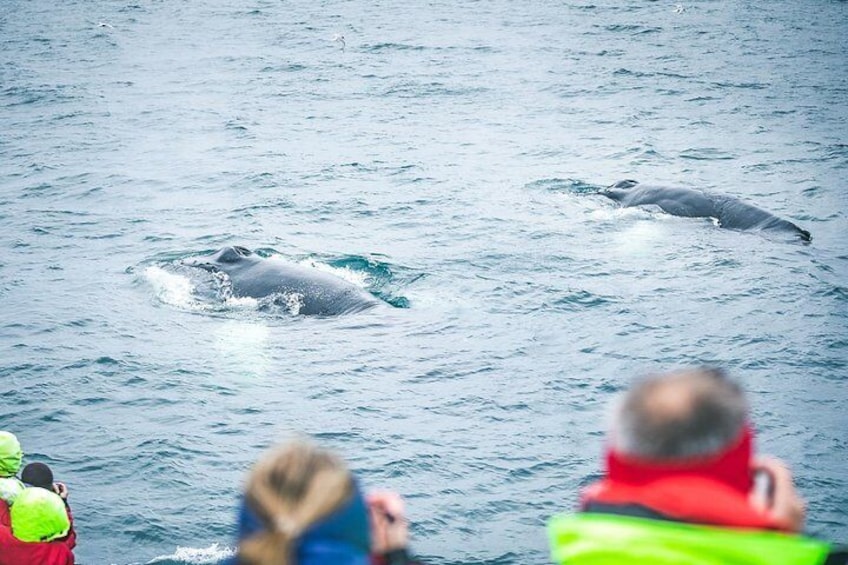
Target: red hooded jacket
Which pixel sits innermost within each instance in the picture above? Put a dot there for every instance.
(16, 552)
(708, 490)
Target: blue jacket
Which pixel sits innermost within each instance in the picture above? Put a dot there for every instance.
(342, 538)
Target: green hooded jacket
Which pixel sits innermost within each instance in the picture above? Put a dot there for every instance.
(39, 515)
(602, 539)
(10, 454)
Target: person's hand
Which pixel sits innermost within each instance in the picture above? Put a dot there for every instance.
(61, 490)
(389, 527)
(784, 504)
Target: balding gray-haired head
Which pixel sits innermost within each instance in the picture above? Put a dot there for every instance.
(679, 415)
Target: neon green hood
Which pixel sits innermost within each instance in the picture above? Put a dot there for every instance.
(10, 454)
(39, 515)
(601, 539)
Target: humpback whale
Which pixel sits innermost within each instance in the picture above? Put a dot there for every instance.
(730, 212)
(315, 292)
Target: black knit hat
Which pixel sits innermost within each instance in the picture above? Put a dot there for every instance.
(38, 475)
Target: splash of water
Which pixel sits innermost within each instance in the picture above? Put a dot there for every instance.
(170, 288)
(195, 556)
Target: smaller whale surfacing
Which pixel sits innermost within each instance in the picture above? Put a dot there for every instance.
(728, 211)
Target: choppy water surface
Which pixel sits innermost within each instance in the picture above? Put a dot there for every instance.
(443, 159)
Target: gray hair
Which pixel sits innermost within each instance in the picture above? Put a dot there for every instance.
(679, 415)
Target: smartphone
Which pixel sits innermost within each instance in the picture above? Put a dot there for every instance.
(764, 485)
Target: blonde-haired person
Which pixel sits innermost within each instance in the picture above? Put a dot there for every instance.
(302, 506)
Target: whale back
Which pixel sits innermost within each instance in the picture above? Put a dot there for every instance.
(231, 255)
(729, 211)
(305, 290)
(620, 190)
(736, 214)
(676, 201)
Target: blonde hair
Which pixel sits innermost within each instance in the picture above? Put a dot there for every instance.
(290, 489)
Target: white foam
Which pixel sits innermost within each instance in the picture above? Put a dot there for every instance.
(241, 303)
(359, 278)
(225, 293)
(607, 213)
(170, 288)
(294, 302)
(196, 556)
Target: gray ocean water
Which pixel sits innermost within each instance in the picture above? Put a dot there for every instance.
(444, 158)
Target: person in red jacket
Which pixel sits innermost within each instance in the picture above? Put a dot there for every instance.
(40, 475)
(681, 449)
(10, 461)
(682, 485)
(41, 530)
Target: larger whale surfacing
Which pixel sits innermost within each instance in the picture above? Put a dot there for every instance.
(316, 293)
